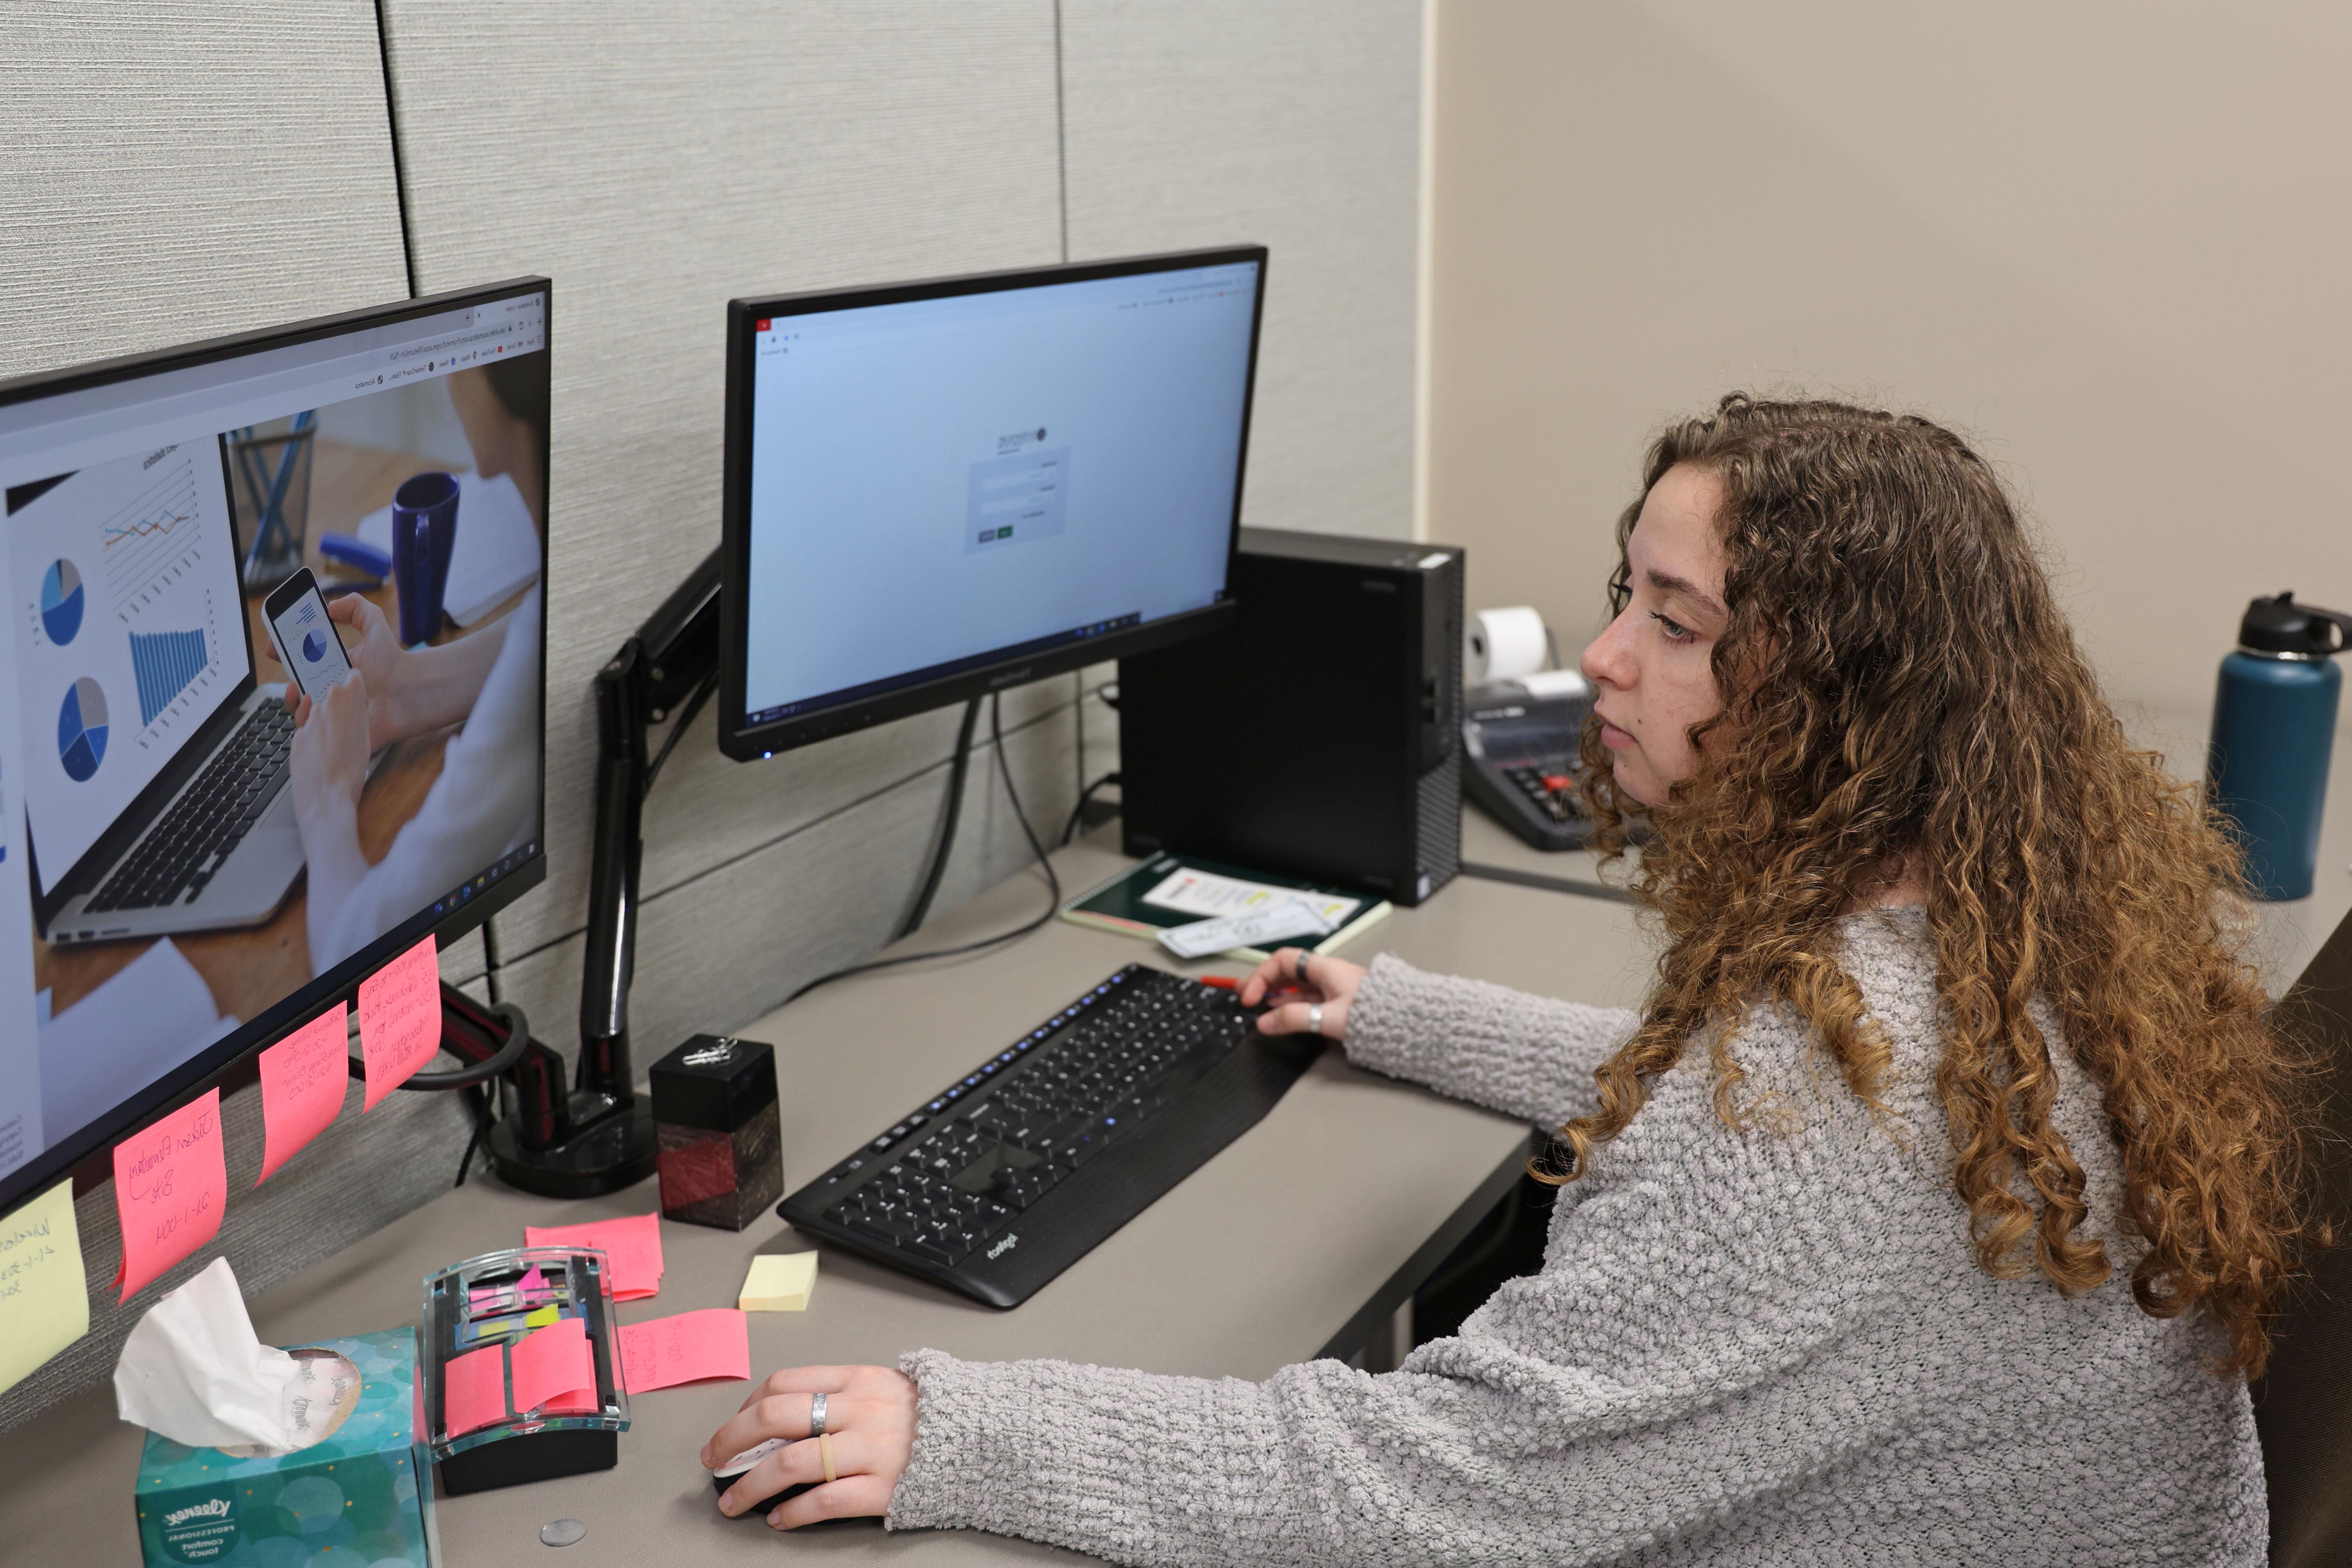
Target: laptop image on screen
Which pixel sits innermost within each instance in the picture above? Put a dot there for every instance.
(156, 761)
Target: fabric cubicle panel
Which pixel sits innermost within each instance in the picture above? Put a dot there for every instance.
(1298, 127)
(170, 172)
(173, 171)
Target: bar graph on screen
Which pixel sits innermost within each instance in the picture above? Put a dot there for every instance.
(162, 664)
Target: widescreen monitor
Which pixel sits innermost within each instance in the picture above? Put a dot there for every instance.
(934, 490)
(190, 866)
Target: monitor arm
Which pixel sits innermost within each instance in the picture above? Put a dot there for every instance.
(669, 666)
(598, 1137)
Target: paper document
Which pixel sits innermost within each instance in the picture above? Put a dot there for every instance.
(156, 1012)
(1206, 894)
(1268, 926)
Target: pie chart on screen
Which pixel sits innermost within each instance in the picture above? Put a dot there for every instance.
(314, 647)
(81, 730)
(61, 602)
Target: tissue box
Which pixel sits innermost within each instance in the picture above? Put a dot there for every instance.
(356, 1490)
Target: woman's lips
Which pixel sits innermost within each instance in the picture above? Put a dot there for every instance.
(1615, 738)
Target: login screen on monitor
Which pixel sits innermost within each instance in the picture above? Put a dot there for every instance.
(936, 483)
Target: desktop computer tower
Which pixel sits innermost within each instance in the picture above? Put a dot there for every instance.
(1321, 737)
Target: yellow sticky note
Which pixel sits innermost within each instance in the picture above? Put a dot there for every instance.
(779, 1282)
(44, 1303)
(540, 1318)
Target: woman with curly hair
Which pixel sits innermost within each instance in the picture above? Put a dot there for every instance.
(1931, 1208)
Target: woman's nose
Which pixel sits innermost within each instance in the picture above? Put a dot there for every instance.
(1607, 659)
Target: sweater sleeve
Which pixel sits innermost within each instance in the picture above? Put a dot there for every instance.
(1687, 1354)
(1525, 1056)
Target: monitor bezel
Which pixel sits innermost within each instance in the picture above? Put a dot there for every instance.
(747, 742)
(233, 1063)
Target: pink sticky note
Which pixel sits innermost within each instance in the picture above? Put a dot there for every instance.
(171, 1187)
(474, 1390)
(579, 1402)
(531, 1284)
(302, 1079)
(632, 1245)
(551, 1361)
(400, 1019)
(687, 1348)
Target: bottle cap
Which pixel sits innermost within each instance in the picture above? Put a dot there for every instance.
(2282, 625)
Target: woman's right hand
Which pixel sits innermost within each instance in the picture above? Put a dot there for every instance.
(1295, 981)
(374, 650)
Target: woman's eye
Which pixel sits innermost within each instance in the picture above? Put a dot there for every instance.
(1676, 631)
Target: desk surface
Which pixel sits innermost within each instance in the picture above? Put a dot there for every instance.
(1264, 1257)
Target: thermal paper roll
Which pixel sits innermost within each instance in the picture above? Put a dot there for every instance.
(1499, 643)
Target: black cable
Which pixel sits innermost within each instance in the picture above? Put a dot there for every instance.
(518, 1043)
(475, 1102)
(957, 773)
(1078, 812)
(684, 717)
(1053, 883)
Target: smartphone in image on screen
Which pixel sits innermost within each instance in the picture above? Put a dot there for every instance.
(308, 644)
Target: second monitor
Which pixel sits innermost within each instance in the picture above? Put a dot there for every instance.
(934, 490)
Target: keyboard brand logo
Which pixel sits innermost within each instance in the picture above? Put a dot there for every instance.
(1001, 1247)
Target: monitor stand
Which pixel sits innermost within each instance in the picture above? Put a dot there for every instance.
(558, 1143)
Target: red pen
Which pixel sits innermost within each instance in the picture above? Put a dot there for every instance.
(1222, 982)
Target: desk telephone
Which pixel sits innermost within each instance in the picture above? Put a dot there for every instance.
(1519, 740)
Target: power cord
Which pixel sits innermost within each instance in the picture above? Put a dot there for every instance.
(957, 772)
(1078, 812)
(1053, 882)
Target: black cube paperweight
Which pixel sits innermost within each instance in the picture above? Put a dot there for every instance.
(721, 1159)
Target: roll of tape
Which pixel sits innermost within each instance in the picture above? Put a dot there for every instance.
(1499, 643)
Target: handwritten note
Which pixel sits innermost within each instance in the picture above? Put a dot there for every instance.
(632, 1245)
(171, 1187)
(687, 1348)
(474, 1390)
(400, 1019)
(302, 1080)
(551, 1362)
(44, 1302)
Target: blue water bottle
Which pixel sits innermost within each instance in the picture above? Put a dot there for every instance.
(2274, 725)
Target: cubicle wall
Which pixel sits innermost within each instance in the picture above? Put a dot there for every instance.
(173, 170)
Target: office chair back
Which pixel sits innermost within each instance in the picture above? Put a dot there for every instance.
(2302, 1405)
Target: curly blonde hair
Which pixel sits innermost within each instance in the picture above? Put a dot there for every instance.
(1905, 695)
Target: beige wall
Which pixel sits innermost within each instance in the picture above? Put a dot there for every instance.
(2108, 241)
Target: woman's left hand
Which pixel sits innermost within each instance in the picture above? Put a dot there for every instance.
(870, 1416)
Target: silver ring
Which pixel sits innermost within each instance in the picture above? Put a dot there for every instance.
(1315, 1019)
(816, 1415)
(1299, 967)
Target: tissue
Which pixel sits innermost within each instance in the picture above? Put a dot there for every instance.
(192, 1371)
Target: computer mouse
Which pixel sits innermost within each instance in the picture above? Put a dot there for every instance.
(724, 1476)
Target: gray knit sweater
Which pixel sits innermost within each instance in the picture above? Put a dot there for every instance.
(1743, 1347)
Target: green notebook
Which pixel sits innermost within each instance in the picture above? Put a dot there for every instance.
(1169, 890)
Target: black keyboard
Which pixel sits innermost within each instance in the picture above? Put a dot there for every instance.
(181, 851)
(1018, 1169)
